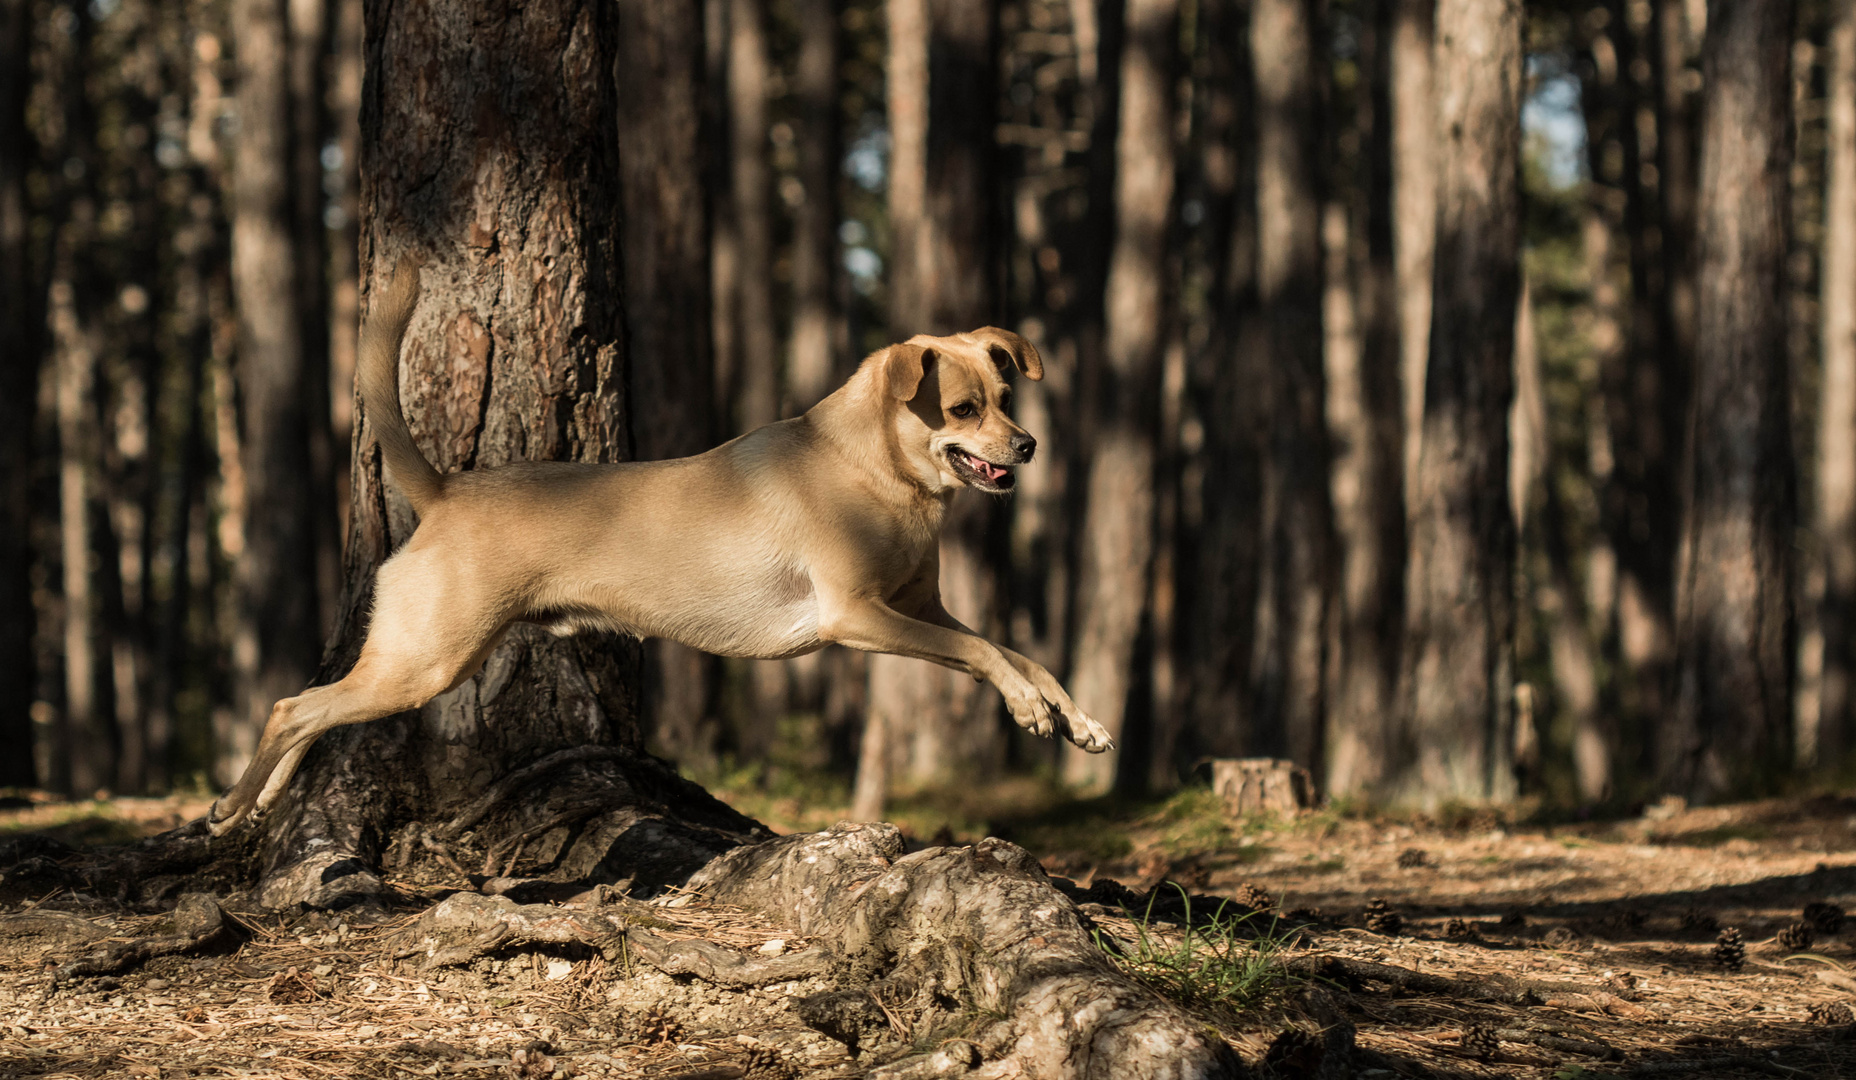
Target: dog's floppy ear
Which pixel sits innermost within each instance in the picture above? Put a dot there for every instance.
(1021, 353)
(903, 368)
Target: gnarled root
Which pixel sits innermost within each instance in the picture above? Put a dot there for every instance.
(965, 942)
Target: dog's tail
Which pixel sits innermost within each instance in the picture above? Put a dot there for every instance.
(379, 384)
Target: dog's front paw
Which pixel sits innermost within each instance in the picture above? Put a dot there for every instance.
(1031, 712)
(1087, 734)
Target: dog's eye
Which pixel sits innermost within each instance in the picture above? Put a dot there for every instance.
(962, 411)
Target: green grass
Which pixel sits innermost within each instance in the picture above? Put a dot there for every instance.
(1222, 965)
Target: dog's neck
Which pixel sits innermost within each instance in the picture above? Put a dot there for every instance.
(842, 420)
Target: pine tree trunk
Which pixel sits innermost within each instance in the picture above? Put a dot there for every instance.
(1295, 594)
(757, 357)
(812, 360)
(667, 275)
(1458, 665)
(503, 169)
(279, 629)
(1731, 725)
(1220, 535)
(928, 722)
(1414, 196)
(22, 321)
(1369, 479)
(1830, 740)
(1117, 542)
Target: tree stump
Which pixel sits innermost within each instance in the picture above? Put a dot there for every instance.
(1253, 785)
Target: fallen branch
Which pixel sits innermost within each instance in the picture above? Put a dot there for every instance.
(1478, 988)
(197, 924)
(1560, 1043)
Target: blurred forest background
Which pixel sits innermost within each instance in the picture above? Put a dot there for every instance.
(1457, 398)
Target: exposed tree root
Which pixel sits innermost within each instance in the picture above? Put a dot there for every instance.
(957, 942)
(197, 925)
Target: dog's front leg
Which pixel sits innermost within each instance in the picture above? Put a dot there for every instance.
(873, 626)
(1072, 722)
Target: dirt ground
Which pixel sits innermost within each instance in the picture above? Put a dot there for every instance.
(1616, 924)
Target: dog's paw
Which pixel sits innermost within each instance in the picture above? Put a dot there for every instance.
(1031, 712)
(1088, 734)
(222, 819)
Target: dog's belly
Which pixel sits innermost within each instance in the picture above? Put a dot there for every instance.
(766, 613)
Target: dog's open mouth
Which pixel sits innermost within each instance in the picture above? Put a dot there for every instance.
(978, 472)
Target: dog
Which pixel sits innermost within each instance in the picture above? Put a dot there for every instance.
(823, 529)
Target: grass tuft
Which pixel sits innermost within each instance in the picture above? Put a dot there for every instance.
(1223, 964)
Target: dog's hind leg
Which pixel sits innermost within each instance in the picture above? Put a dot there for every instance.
(421, 644)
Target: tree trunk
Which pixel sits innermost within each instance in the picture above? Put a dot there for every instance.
(1730, 729)
(811, 366)
(22, 321)
(311, 24)
(757, 356)
(1458, 665)
(344, 294)
(1117, 542)
(1220, 534)
(928, 722)
(1369, 479)
(1826, 745)
(504, 169)
(279, 631)
(1414, 199)
(1296, 591)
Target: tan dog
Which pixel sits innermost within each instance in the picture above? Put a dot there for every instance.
(818, 530)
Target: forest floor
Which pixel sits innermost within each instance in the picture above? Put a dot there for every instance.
(1614, 925)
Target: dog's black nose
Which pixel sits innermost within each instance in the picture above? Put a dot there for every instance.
(1024, 446)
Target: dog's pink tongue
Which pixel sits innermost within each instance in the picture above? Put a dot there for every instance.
(989, 470)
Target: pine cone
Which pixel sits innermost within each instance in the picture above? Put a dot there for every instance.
(1460, 930)
(1479, 1042)
(765, 1063)
(1514, 921)
(657, 1026)
(1253, 897)
(1729, 951)
(1798, 937)
(1826, 919)
(1302, 915)
(1381, 919)
(1293, 1052)
(531, 1062)
(1833, 1014)
(1622, 983)
(1413, 857)
(1697, 921)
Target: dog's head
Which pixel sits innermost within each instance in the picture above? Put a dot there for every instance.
(955, 419)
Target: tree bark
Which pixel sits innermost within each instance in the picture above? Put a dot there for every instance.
(1458, 659)
(1730, 729)
(930, 723)
(1369, 480)
(503, 168)
(22, 321)
(1295, 595)
(667, 274)
(756, 363)
(1220, 535)
(816, 344)
(1414, 197)
(1117, 542)
(279, 629)
(1828, 742)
